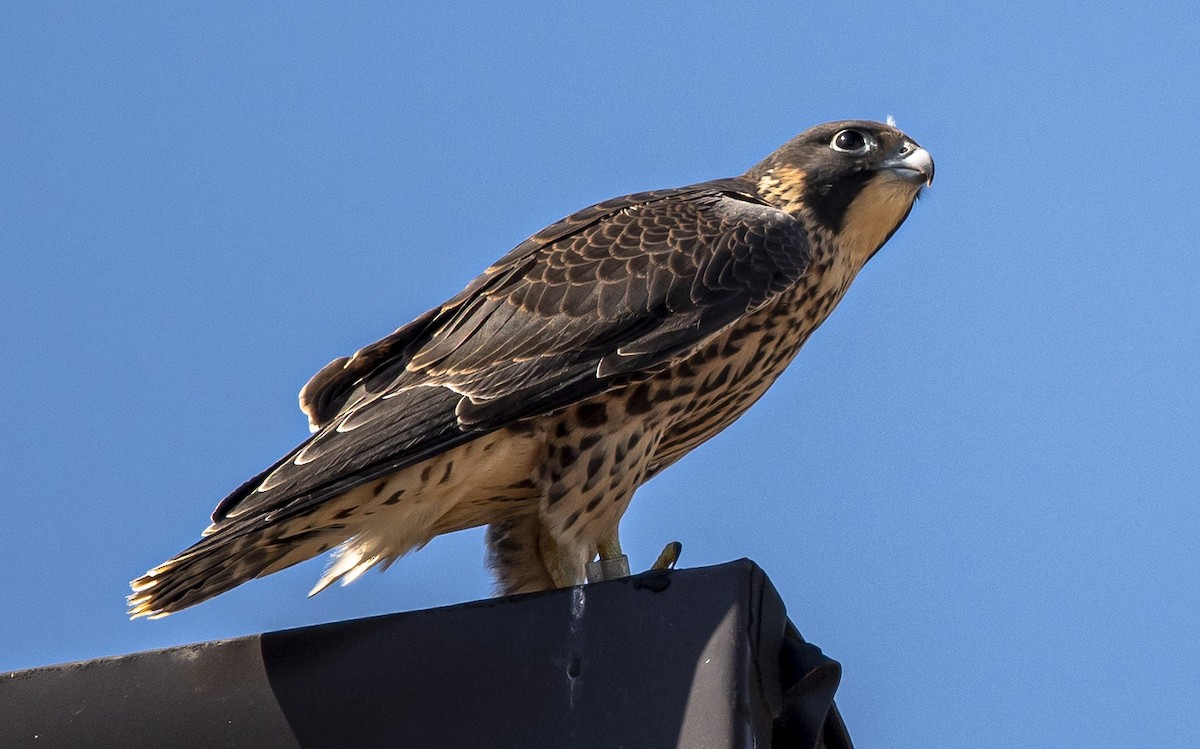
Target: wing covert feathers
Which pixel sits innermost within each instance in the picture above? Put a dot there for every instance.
(609, 294)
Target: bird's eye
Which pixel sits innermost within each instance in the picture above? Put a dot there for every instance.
(849, 141)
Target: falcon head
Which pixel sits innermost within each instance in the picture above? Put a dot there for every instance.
(854, 179)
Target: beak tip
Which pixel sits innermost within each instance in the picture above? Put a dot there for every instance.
(923, 163)
(915, 167)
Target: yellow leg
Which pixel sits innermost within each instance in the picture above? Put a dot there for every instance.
(612, 565)
(553, 562)
(610, 549)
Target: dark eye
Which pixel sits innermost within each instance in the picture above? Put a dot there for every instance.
(849, 141)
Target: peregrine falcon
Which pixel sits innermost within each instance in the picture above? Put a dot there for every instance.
(585, 361)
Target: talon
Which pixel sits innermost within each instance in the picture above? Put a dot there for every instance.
(669, 557)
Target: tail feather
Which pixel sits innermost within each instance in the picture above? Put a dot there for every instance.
(222, 561)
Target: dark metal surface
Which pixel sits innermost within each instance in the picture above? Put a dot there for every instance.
(693, 658)
(213, 694)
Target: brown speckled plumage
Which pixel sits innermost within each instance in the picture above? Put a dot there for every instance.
(591, 357)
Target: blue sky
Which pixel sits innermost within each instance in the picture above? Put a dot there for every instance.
(976, 487)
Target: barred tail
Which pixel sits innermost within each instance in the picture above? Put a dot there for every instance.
(225, 559)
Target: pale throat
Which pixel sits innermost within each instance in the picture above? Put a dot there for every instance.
(873, 215)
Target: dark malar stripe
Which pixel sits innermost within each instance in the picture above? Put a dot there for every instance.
(829, 201)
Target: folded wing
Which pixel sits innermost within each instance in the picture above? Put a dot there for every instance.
(610, 294)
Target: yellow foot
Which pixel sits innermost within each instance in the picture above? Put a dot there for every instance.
(613, 565)
(669, 556)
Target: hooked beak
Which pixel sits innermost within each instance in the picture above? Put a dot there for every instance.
(911, 164)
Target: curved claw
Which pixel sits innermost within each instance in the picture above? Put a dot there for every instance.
(669, 557)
